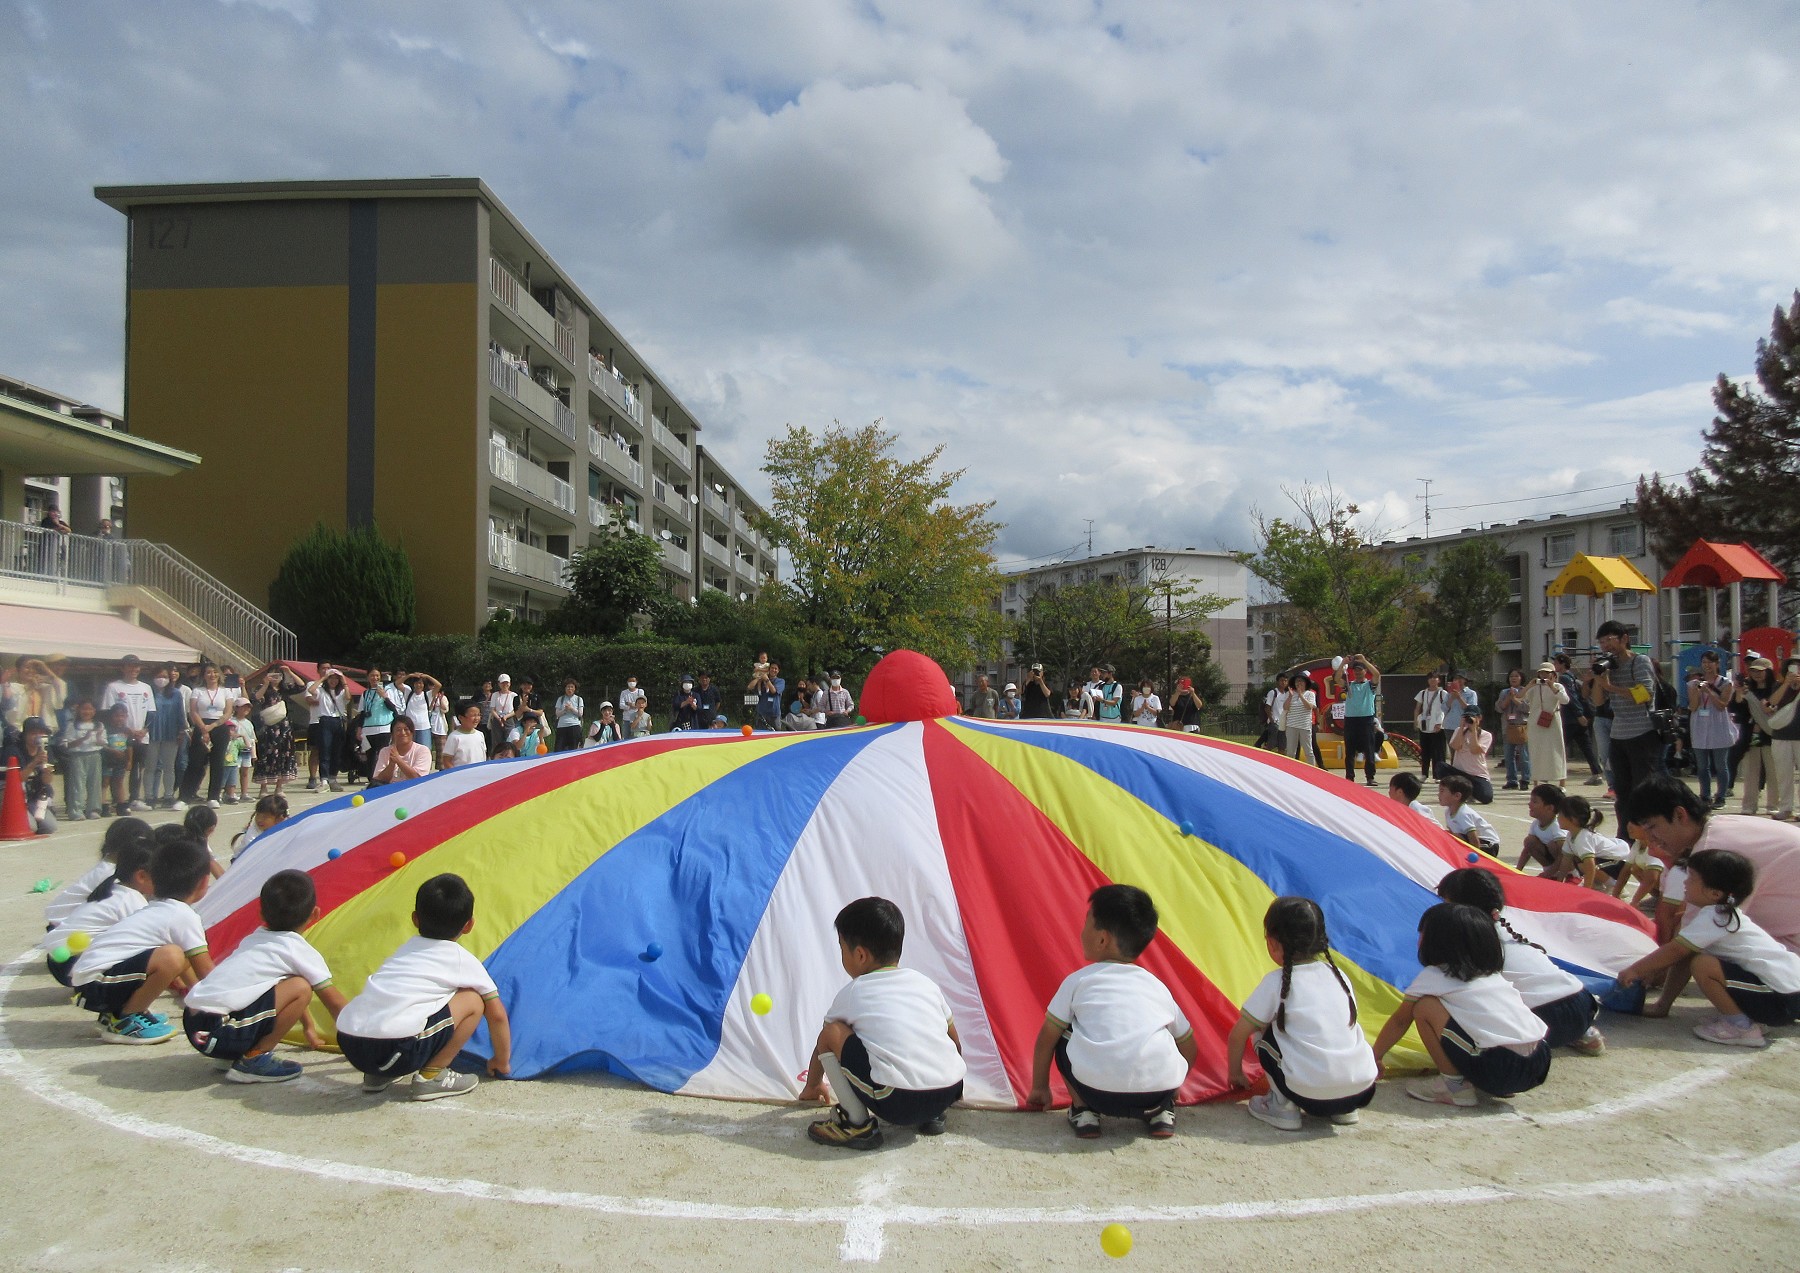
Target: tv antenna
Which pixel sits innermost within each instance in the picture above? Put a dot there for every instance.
(1090, 535)
(1426, 497)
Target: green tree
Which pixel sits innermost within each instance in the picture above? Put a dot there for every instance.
(1747, 486)
(1468, 583)
(1147, 629)
(335, 588)
(763, 624)
(880, 557)
(1344, 594)
(618, 575)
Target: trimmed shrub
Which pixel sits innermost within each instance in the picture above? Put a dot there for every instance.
(335, 588)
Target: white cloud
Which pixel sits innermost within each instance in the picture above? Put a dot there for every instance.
(1666, 320)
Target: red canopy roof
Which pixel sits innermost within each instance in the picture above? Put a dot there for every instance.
(1710, 565)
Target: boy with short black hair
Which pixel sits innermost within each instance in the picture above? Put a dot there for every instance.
(1113, 1029)
(889, 1045)
(260, 991)
(1460, 820)
(1545, 840)
(419, 1008)
(125, 968)
(1404, 788)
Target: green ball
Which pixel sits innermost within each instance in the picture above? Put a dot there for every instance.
(60, 954)
(399, 815)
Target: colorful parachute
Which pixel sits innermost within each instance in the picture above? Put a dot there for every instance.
(733, 854)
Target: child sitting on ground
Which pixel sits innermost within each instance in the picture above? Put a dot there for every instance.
(1404, 788)
(1479, 1032)
(1598, 857)
(1641, 865)
(125, 892)
(1557, 997)
(121, 833)
(1117, 1037)
(889, 1045)
(1748, 976)
(1317, 1058)
(418, 1009)
(199, 823)
(1460, 820)
(124, 969)
(238, 1013)
(1545, 840)
(269, 810)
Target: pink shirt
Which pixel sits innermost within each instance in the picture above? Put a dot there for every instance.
(418, 757)
(1773, 848)
(1474, 762)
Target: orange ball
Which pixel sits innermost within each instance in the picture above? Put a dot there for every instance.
(748, 730)
(543, 750)
(396, 859)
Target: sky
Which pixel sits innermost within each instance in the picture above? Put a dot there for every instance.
(1144, 264)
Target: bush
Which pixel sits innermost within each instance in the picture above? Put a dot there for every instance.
(336, 588)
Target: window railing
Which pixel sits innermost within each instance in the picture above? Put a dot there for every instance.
(615, 457)
(1508, 634)
(715, 501)
(742, 525)
(612, 385)
(514, 380)
(677, 556)
(676, 448)
(516, 299)
(508, 554)
(517, 471)
(714, 549)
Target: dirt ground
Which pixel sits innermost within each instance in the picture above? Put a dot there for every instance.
(1666, 1153)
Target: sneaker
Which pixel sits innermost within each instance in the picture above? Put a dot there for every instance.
(1276, 1110)
(267, 1068)
(212, 804)
(138, 1028)
(180, 806)
(231, 799)
(932, 1126)
(332, 786)
(1437, 1091)
(1594, 781)
(103, 1023)
(1593, 1043)
(138, 806)
(1611, 794)
(449, 1083)
(1162, 1124)
(1084, 1123)
(72, 816)
(840, 1133)
(373, 1083)
(312, 784)
(1719, 1030)
(220, 1063)
(1350, 1119)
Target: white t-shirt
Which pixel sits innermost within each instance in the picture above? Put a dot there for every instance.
(138, 697)
(214, 705)
(1745, 944)
(1123, 1024)
(75, 896)
(261, 959)
(1589, 843)
(418, 711)
(1147, 708)
(568, 711)
(1533, 974)
(1465, 820)
(1428, 709)
(631, 702)
(1674, 885)
(1423, 810)
(330, 705)
(501, 704)
(1298, 714)
(1488, 1009)
(1549, 834)
(164, 922)
(96, 917)
(903, 1020)
(415, 982)
(464, 748)
(1323, 1056)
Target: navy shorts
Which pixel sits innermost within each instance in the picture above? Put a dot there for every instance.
(1270, 1055)
(1568, 1018)
(107, 993)
(1111, 1104)
(893, 1104)
(1754, 998)
(396, 1058)
(1497, 1071)
(228, 1036)
(60, 971)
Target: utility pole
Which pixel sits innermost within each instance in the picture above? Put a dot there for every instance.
(1090, 535)
(1426, 497)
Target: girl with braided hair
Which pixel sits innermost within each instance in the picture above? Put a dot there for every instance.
(1558, 998)
(1303, 1018)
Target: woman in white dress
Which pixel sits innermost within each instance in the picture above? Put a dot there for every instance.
(1544, 700)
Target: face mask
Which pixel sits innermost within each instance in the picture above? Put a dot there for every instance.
(687, 685)
(835, 682)
(630, 685)
(161, 682)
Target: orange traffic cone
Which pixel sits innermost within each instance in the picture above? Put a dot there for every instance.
(15, 821)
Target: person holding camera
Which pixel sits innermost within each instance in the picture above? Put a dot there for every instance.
(1546, 744)
(1037, 700)
(769, 688)
(1578, 722)
(1360, 679)
(1627, 681)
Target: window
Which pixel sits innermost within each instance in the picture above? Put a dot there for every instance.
(1250, 666)
(1568, 603)
(1136, 568)
(1269, 641)
(1558, 548)
(1625, 541)
(1012, 591)
(1250, 643)
(1627, 600)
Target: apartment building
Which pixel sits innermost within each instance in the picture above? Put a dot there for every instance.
(84, 499)
(1261, 619)
(1215, 573)
(734, 558)
(403, 353)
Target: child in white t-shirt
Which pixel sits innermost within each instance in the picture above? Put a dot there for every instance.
(464, 745)
(418, 1009)
(1479, 1032)
(122, 894)
(1597, 857)
(1460, 819)
(124, 969)
(1112, 1029)
(889, 1046)
(120, 833)
(1641, 865)
(256, 994)
(1557, 996)
(1545, 840)
(1303, 1017)
(1404, 788)
(1749, 977)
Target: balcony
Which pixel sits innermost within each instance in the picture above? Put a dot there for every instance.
(741, 524)
(516, 299)
(670, 499)
(716, 502)
(521, 474)
(675, 556)
(714, 549)
(612, 386)
(1508, 634)
(514, 380)
(600, 513)
(614, 458)
(676, 448)
(515, 558)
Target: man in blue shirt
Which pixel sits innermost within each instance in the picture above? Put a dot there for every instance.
(1360, 680)
(769, 688)
(708, 695)
(1462, 698)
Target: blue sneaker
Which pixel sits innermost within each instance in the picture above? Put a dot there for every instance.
(267, 1068)
(137, 1028)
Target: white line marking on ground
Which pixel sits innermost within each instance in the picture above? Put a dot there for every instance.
(865, 1222)
(865, 1233)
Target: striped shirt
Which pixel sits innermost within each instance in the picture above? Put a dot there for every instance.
(1631, 719)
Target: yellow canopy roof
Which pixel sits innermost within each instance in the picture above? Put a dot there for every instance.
(1587, 576)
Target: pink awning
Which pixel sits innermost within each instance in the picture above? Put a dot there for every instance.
(83, 635)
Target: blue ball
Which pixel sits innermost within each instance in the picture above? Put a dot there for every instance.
(1187, 828)
(335, 854)
(1474, 857)
(654, 950)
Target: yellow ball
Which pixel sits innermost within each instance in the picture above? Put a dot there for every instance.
(78, 942)
(356, 802)
(760, 1004)
(1115, 1240)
